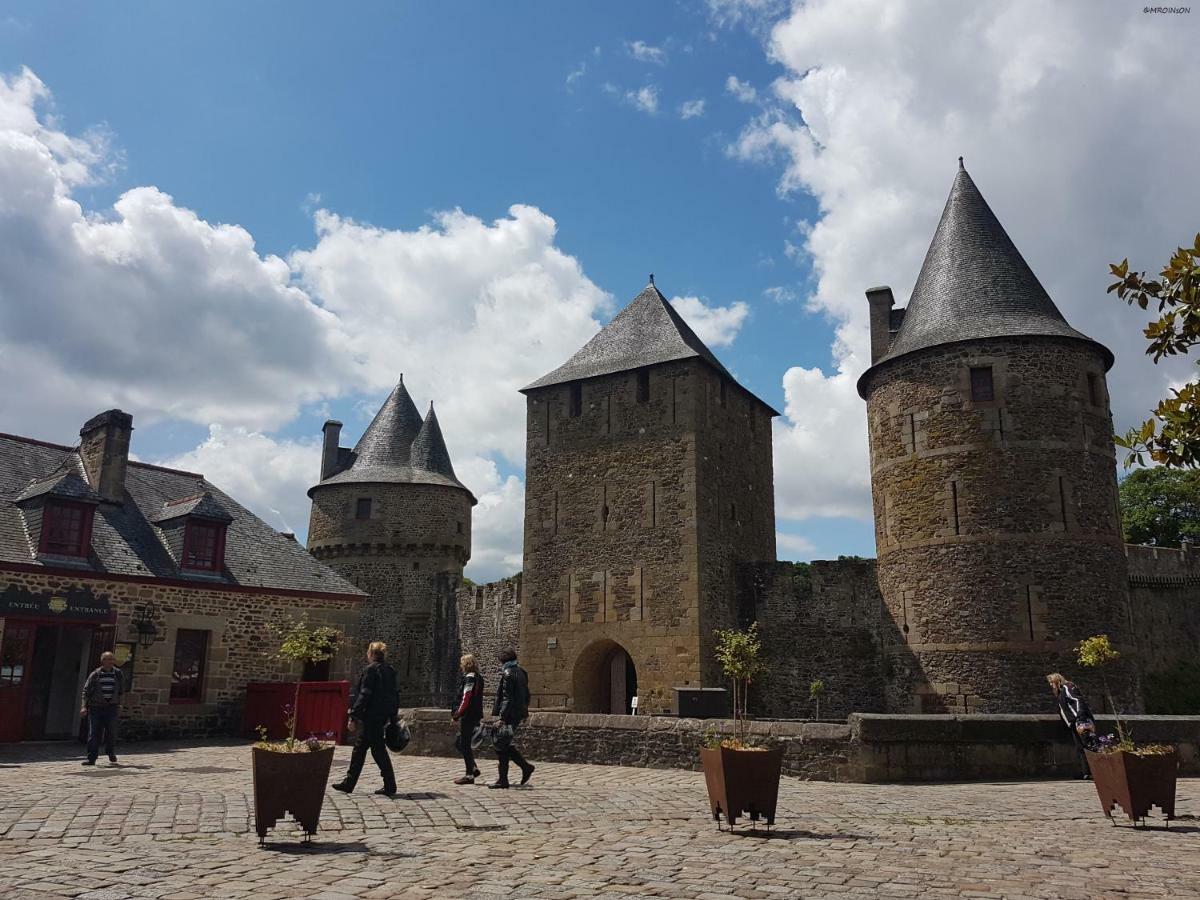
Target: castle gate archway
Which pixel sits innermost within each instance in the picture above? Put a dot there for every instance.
(604, 680)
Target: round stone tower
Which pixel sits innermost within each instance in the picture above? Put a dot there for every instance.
(993, 479)
(391, 516)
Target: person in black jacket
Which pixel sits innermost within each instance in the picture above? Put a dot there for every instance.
(376, 700)
(468, 713)
(512, 708)
(1075, 714)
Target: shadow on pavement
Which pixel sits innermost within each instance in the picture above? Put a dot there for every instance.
(796, 834)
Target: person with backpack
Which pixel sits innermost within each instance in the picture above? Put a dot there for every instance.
(376, 700)
(468, 713)
(1076, 716)
(512, 708)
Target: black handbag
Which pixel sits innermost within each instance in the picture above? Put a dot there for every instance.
(396, 735)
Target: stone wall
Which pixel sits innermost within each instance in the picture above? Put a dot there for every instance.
(1164, 588)
(240, 640)
(868, 748)
(408, 555)
(996, 522)
(489, 620)
(823, 620)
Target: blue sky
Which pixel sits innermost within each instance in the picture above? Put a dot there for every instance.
(265, 233)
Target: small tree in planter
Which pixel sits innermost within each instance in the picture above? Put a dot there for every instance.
(290, 775)
(1133, 777)
(741, 777)
(816, 690)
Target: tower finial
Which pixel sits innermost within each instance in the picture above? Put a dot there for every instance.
(652, 278)
(960, 163)
(402, 374)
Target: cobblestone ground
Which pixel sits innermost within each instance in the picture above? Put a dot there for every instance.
(175, 821)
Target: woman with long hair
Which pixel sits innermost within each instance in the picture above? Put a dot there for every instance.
(468, 713)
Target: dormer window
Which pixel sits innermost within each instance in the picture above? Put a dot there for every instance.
(204, 546)
(66, 528)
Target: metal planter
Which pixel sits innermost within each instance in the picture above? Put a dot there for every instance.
(742, 782)
(289, 783)
(1135, 783)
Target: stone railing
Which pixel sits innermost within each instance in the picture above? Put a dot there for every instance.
(867, 748)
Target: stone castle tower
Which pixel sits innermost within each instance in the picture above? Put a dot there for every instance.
(992, 475)
(391, 516)
(648, 480)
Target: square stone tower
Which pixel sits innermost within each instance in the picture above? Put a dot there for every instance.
(648, 480)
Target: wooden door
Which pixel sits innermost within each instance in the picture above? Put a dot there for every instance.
(16, 659)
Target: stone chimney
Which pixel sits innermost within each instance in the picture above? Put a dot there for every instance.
(104, 449)
(329, 450)
(881, 301)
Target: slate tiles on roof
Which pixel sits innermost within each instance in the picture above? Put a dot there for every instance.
(974, 284)
(201, 506)
(645, 333)
(126, 542)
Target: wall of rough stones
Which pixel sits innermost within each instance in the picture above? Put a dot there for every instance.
(996, 522)
(408, 556)
(612, 529)
(1164, 588)
(239, 646)
(868, 748)
(825, 620)
(489, 620)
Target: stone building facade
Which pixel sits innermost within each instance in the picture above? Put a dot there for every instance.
(392, 518)
(993, 478)
(648, 480)
(187, 587)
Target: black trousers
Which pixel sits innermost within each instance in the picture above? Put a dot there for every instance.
(466, 730)
(510, 753)
(1080, 746)
(369, 736)
(102, 720)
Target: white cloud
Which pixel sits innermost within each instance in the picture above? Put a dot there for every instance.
(644, 99)
(155, 310)
(497, 523)
(717, 326)
(267, 475)
(575, 75)
(643, 52)
(742, 90)
(780, 294)
(793, 546)
(1050, 105)
(691, 109)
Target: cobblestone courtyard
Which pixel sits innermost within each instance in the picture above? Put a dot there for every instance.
(174, 821)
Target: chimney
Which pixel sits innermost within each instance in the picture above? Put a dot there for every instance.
(881, 301)
(104, 449)
(329, 450)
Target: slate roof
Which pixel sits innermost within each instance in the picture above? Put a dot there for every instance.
(202, 506)
(974, 284)
(646, 332)
(399, 448)
(64, 483)
(126, 542)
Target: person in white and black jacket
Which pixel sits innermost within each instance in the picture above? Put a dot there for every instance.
(101, 702)
(468, 713)
(1078, 717)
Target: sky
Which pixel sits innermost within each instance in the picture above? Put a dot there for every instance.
(238, 220)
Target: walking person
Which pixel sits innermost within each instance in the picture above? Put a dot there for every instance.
(512, 708)
(101, 702)
(1077, 716)
(468, 713)
(376, 700)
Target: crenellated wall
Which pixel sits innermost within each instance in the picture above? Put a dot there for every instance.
(1164, 591)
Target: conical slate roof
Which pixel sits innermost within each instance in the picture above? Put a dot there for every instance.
(646, 332)
(398, 448)
(429, 448)
(387, 440)
(974, 284)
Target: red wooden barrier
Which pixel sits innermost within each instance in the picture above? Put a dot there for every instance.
(322, 708)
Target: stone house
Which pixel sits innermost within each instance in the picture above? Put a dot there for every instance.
(99, 552)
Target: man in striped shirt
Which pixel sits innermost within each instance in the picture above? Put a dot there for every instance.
(101, 701)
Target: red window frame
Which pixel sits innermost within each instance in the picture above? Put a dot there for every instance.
(189, 665)
(66, 528)
(203, 546)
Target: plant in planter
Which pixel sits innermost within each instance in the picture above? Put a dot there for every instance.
(741, 777)
(1125, 774)
(816, 690)
(290, 775)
